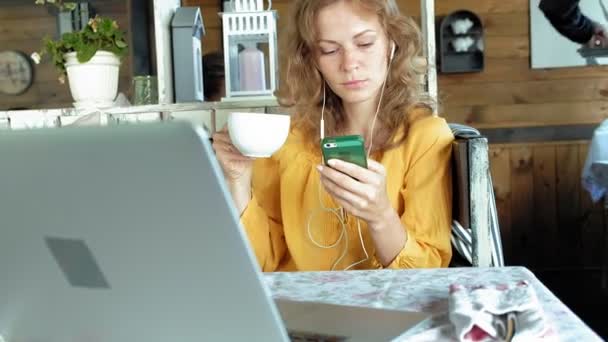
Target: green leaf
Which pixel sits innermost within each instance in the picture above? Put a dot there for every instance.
(121, 43)
(114, 50)
(105, 28)
(119, 34)
(89, 34)
(71, 39)
(86, 52)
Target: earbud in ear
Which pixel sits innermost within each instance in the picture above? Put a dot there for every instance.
(392, 51)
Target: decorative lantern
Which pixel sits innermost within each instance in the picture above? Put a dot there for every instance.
(250, 50)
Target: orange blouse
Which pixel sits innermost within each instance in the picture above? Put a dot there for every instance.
(286, 209)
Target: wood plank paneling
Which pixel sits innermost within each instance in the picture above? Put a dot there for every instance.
(487, 6)
(547, 219)
(508, 92)
(518, 69)
(212, 41)
(16, 30)
(491, 116)
(506, 24)
(568, 204)
(507, 47)
(210, 13)
(533, 92)
(500, 162)
(592, 222)
(544, 233)
(26, 12)
(522, 200)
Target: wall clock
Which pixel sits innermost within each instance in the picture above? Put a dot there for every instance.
(16, 72)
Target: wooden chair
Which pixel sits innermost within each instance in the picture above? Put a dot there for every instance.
(475, 231)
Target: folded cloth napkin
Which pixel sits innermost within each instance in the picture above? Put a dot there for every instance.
(509, 312)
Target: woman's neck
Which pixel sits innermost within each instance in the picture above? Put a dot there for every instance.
(359, 117)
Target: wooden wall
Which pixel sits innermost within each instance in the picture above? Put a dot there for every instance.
(22, 27)
(546, 217)
(509, 93)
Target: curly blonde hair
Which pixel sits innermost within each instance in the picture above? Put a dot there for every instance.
(301, 86)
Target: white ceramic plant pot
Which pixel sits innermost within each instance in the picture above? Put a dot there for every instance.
(94, 83)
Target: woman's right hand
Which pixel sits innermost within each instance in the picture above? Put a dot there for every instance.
(237, 167)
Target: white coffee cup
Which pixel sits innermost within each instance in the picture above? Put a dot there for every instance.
(258, 135)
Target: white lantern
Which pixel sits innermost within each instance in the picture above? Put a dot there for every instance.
(250, 50)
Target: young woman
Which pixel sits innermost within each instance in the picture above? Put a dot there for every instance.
(349, 68)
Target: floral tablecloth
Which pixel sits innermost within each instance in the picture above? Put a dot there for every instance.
(420, 290)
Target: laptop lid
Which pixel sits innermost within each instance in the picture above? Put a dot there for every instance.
(124, 233)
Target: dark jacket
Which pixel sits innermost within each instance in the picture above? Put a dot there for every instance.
(567, 18)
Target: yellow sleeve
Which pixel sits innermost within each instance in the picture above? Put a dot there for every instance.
(427, 198)
(262, 217)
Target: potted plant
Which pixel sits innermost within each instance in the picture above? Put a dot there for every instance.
(90, 58)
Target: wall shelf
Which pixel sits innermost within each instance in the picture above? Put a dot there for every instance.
(449, 58)
(196, 112)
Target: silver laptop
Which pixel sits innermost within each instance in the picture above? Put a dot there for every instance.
(128, 233)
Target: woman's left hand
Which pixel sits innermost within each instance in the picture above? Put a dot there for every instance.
(361, 192)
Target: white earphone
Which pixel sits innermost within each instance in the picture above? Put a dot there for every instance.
(392, 51)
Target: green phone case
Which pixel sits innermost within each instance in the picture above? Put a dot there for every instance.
(349, 148)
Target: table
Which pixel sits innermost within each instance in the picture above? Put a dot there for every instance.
(419, 290)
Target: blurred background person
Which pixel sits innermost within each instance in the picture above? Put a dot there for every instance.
(213, 76)
(568, 19)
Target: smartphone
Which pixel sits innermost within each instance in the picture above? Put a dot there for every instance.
(349, 148)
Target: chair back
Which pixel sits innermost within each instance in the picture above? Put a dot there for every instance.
(475, 230)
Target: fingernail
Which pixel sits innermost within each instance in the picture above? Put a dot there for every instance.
(319, 168)
(332, 162)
